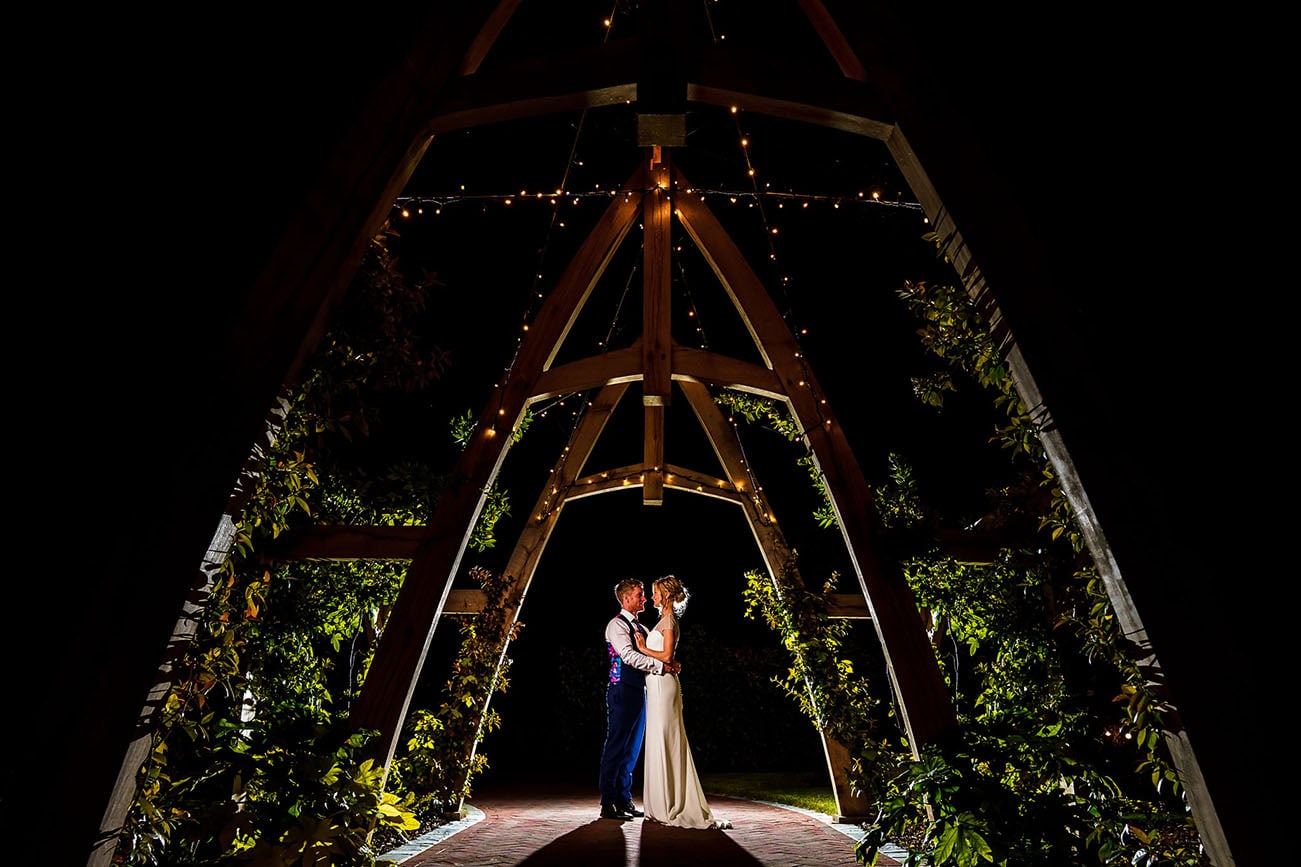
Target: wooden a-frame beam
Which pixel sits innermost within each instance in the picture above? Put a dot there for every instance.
(437, 558)
(779, 559)
(834, 39)
(532, 541)
(383, 702)
(487, 36)
(394, 672)
(924, 705)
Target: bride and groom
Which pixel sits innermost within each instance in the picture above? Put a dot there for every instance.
(643, 704)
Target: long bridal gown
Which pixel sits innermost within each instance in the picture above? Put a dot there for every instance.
(671, 791)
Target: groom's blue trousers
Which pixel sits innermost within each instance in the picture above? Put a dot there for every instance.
(625, 727)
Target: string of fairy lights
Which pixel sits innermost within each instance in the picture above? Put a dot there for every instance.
(763, 201)
(408, 207)
(760, 198)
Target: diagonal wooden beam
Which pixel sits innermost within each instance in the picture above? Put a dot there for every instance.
(532, 541)
(487, 36)
(830, 33)
(586, 374)
(778, 558)
(722, 439)
(924, 704)
(723, 370)
(387, 690)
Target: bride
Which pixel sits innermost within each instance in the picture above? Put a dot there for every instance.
(672, 794)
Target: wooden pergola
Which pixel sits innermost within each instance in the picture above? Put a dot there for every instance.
(655, 194)
(886, 71)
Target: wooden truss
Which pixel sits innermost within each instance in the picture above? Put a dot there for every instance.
(657, 362)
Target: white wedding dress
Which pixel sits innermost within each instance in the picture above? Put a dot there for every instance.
(671, 791)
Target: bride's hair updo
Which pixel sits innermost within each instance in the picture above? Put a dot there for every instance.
(672, 591)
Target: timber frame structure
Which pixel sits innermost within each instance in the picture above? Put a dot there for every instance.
(991, 162)
(655, 194)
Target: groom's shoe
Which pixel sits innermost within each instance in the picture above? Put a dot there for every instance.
(609, 811)
(631, 810)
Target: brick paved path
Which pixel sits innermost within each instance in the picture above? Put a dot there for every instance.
(550, 825)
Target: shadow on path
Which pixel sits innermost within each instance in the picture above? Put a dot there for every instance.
(600, 843)
(549, 825)
(661, 844)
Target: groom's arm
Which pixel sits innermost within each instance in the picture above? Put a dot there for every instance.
(620, 637)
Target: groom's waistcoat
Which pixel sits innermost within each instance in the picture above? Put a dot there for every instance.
(620, 673)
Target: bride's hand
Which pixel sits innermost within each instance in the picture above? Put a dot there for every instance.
(641, 642)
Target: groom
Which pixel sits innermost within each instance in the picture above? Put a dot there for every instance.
(625, 701)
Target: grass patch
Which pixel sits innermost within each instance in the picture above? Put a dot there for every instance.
(808, 791)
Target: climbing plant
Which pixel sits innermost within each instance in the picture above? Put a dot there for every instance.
(1042, 768)
(253, 759)
(823, 678)
(441, 758)
(1056, 757)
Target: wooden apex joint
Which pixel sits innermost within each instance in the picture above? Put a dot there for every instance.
(662, 130)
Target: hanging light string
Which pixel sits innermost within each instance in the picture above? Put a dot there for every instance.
(413, 206)
(535, 294)
(754, 197)
(578, 414)
(782, 282)
(693, 310)
(756, 490)
(781, 279)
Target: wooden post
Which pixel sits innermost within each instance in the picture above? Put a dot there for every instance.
(657, 338)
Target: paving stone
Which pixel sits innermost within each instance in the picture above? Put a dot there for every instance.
(550, 825)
